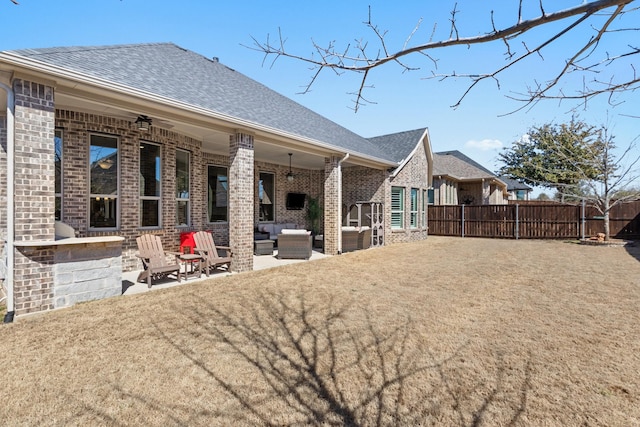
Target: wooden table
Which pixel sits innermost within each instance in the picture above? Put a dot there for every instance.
(191, 259)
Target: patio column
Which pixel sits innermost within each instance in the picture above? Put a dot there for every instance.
(34, 194)
(241, 200)
(486, 192)
(332, 205)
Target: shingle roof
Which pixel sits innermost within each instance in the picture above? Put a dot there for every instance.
(457, 165)
(168, 70)
(514, 184)
(397, 146)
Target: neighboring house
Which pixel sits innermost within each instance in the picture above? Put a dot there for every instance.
(517, 190)
(457, 179)
(117, 141)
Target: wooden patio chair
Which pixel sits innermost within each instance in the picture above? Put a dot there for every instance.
(206, 247)
(154, 260)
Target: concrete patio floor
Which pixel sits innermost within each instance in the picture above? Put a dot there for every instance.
(261, 262)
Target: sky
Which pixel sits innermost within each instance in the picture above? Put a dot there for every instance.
(484, 123)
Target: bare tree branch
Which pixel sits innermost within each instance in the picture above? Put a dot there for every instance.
(358, 58)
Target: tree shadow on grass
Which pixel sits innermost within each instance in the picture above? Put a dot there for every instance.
(279, 360)
(633, 249)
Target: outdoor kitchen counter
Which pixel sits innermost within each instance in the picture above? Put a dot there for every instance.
(68, 241)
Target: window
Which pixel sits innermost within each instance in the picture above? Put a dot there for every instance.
(149, 185)
(413, 219)
(218, 196)
(424, 208)
(104, 184)
(58, 166)
(183, 162)
(397, 207)
(266, 192)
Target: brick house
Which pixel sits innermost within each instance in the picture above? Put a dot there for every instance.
(460, 180)
(117, 141)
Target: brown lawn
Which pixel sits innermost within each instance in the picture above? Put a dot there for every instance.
(443, 332)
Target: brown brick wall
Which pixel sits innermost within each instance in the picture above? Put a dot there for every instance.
(412, 175)
(34, 195)
(241, 200)
(332, 222)
(305, 181)
(77, 128)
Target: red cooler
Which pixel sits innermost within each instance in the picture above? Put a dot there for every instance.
(186, 241)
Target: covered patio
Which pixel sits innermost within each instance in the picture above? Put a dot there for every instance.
(260, 262)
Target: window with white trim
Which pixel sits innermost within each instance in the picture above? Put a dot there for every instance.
(183, 178)
(218, 194)
(424, 208)
(150, 164)
(104, 182)
(58, 141)
(397, 207)
(413, 218)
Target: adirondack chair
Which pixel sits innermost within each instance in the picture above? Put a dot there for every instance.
(154, 260)
(206, 247)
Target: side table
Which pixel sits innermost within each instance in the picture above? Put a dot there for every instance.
(263, 247)
(189, 260)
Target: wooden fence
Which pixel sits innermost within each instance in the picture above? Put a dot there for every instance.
(533, 221)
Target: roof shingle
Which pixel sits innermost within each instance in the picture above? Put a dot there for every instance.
(168, 70)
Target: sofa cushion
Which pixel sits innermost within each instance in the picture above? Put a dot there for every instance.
(292, 231)
(275, 229)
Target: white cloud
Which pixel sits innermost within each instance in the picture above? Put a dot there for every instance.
(484, 145)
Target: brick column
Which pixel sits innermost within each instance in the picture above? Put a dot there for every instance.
(332, 205)
(241, 203)
(34, 194)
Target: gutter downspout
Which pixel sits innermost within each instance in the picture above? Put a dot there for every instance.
(346, 156)
(8, 317)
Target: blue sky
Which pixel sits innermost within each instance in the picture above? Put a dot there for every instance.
(403, 100)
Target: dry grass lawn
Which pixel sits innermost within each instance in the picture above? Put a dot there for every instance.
(443, 332)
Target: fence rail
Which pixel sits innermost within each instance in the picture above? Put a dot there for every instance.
(533, 221)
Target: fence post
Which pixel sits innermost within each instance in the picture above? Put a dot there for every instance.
(517, 221)
(462, 225)
(583, 220)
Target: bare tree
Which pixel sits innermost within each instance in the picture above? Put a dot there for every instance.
(617, 173)
(586, 58)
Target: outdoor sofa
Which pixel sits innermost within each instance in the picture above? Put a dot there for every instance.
(275, 229)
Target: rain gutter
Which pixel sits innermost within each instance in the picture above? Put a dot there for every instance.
(10, 243)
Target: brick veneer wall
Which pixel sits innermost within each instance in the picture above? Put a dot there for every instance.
(306, 181)
(34, 195)
(241, 200)
(413, 175)
(332, 222)
(77, 128)
(361, 184)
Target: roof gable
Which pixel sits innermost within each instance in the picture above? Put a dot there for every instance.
(457, 165)
(514, 184)
(398, 146)
(170, 71)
